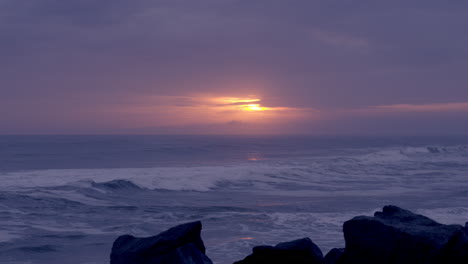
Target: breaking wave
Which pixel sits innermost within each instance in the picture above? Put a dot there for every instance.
(330, 173)
(412, 153)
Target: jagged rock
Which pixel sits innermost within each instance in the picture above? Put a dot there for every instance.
(179, 245)
(301, 251)
(334, 255)
(399, 236)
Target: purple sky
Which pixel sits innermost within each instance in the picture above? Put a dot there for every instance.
(164, 66)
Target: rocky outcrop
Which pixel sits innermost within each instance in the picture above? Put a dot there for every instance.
(396, 235)
(178, 245)
(393, 236)
(301, 251)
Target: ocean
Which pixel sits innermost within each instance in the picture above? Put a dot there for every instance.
(65, 199)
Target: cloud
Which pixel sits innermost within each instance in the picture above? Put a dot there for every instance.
(437, 107)
(300, 54)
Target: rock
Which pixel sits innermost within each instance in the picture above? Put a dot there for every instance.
(396, 235)
(301, 251)
(334, 255)
(178, 245)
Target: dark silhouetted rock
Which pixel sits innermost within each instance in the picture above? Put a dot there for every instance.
(400, 236)
(179, 245)
(334, 255)
(301, 251)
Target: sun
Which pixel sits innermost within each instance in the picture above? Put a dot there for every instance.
(253, 107)
(249, 104)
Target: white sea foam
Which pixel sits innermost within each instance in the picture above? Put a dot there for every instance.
(384, 171)
(245, 176)
(392, 155)
(189, 178)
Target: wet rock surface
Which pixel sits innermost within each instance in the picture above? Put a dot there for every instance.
(392, 236)
(178, 245)
(301, 251)
(396, 235)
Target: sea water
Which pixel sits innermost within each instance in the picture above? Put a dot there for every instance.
(65, 199)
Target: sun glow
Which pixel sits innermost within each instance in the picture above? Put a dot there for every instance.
(236, 100)
(219, 114)
(254, 107)
(243, 104)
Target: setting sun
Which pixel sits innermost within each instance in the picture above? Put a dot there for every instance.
(254, 107)
(244, 104)
(248, 114)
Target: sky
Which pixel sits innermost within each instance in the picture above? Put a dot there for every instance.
(233, 67)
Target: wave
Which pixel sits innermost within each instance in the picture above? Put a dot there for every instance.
(401, 154)
(173, 178)
(319, 174)
(448, 149)
(116, 185)
(314, 177)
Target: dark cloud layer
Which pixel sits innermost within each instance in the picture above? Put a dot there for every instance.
(76, 57)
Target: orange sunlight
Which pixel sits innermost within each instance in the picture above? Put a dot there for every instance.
(218, 114)
(246, 104)
(254, 107)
